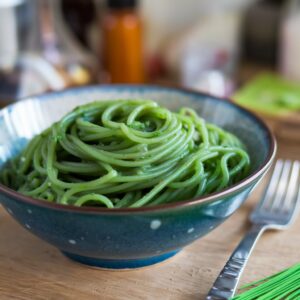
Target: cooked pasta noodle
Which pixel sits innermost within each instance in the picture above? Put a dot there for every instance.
(127, 153)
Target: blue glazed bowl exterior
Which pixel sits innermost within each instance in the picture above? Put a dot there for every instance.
(129, 238)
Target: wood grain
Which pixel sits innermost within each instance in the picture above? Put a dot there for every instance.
(31, 269)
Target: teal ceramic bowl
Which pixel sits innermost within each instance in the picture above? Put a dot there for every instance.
(136, 237)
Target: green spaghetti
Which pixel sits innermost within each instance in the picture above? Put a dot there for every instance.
(127, 153)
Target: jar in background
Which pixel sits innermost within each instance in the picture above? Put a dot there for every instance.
(122, 42)
(290, 42)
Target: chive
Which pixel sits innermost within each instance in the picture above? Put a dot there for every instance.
(284, 285)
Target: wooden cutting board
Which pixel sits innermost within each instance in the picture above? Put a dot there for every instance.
(32, 269)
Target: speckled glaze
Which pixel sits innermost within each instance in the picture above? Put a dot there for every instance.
(128, 238)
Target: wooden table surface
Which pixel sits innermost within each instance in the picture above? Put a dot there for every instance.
(32, 269)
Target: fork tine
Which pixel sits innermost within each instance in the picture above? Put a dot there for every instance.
(269, 191)
(296, 207)
(291, 197)
(282, 186)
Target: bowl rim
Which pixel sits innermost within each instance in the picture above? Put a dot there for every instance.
(270, 138)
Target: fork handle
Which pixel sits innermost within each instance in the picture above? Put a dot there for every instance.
(225, 285)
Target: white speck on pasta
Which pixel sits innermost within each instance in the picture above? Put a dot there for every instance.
(29, 211)
(10, 211)
(28, 226)
(190, 230)
(73, 242)
(155, 224)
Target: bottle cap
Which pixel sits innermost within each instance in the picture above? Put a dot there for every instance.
(121, 3)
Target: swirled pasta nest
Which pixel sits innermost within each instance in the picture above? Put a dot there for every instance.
(127, 153)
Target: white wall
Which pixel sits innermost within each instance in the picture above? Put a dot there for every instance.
(165, 18)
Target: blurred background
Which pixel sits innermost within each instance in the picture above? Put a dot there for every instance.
(247, 50)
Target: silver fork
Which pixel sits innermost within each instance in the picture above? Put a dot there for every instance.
(276, 210)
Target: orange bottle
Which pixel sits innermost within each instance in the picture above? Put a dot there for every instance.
(122, 42)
